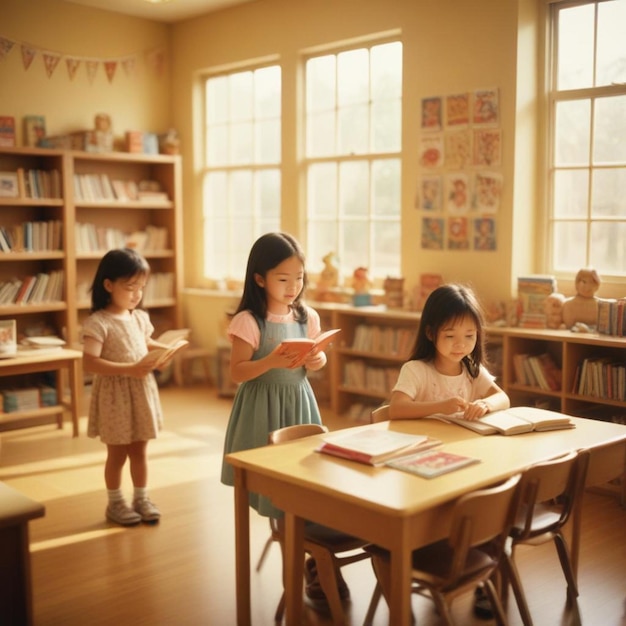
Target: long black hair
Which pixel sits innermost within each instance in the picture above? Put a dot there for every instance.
(266, 253)
(115, 264)
(445, 304)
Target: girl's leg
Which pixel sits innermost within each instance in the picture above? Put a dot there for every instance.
(137, 453)
(117, 510)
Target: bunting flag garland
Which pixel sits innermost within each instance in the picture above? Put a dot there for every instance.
(109, 68)
(51, 61)
(72, 67)
(155, 59)
(5, 47)
(28, 54)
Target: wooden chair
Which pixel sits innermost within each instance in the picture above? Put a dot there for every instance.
(331, 549)
(469, 557)
(550, 492)
(380, 414)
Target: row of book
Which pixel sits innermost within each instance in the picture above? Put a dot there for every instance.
(539, 370)
(357, 374)
(160, 286)
(92, 238)
(35, 289)
(99, 187)
(36, 183)
(32, 236)
(28, 399)
(601, 377)
(612, 316)
(385, 340)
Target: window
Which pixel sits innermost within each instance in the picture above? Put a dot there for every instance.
(241, 182)
(353, 113)
(587, 206)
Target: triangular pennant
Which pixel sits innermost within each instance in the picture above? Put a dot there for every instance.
(129, 66)
(28, 54)
(72, 66)
(5, 47)
(110, 67)
(51, 61)
(92, 68)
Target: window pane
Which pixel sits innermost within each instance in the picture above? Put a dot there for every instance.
(241, 143)
(569, 246)
(215, 196)
(320, 84)
(386, 71)
(267, 92)
(320, 134)
(321, 240)
(353, 188)
(607, 247)
(610, 130)
(267, 190)
(267, 141)
(609, 193)
(353, 77)
(216, 248)
(386, 248)
(571, 192)
(241, 93)
(353, 130)
(611, 59)
(354, 251)
(386, 187)
(217, 146)
(322, 191)
(241, 193)
(572, 132)
(575, 43)
(386, 126)
(217, 100)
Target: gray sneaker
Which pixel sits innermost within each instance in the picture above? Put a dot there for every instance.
(146, 510)
(120, 513)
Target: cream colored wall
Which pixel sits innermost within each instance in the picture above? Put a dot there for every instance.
(138, 102)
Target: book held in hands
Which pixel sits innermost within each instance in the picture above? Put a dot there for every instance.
(432, 463)
(301, 346)
(373, 446)
(173, 341)
(513, 421)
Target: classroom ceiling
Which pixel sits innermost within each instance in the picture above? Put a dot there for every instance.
(161, 11)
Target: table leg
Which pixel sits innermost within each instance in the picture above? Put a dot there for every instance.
(75, 382)
(294, 560)
(400, 601)
(242, 549)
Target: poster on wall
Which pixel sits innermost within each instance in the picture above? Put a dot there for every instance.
(431, 113)
(485, 233)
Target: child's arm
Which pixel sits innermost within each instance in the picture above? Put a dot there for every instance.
(242, 368)
(402, 406)
(93, 363)
(495, 399)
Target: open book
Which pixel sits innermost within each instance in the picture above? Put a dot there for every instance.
(374, 447)
(301, 346)
(432, 463)
(513, 421)
(158, 357)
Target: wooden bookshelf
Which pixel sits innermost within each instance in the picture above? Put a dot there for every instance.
(60, 252)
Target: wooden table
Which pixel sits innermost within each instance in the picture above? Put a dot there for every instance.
(16, 510)
(59, 361)
(395, 509)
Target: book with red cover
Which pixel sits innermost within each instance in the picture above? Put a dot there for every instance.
(301, 346)
(374, 447)
(432, 463)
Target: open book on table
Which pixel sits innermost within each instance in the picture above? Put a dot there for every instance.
(301, 346)
(432, 463)
(158, 357)
(513, 421)
(374, 447)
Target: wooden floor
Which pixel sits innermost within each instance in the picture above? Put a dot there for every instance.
(181, 571)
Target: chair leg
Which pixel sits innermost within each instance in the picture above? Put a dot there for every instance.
(566, 566)
(371, 609)
(328, 581)
(280, 610)
(511, 575)
(442, 607)
(266, 548)
(492, 594)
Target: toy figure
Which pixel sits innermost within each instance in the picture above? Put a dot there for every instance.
(581, 310)
(329, 277)
(360, 281)
(553, 307)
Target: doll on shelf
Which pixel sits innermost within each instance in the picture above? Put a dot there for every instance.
(581, 311)
(360, 281)
(553, 307)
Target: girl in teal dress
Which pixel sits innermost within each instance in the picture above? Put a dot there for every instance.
(274, 390)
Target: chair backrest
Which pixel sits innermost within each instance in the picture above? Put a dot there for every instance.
(289, 433)
(380, 414)
(482, 518)
(559, 482)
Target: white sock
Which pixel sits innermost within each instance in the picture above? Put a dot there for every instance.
(115, 495)
(139, 493)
